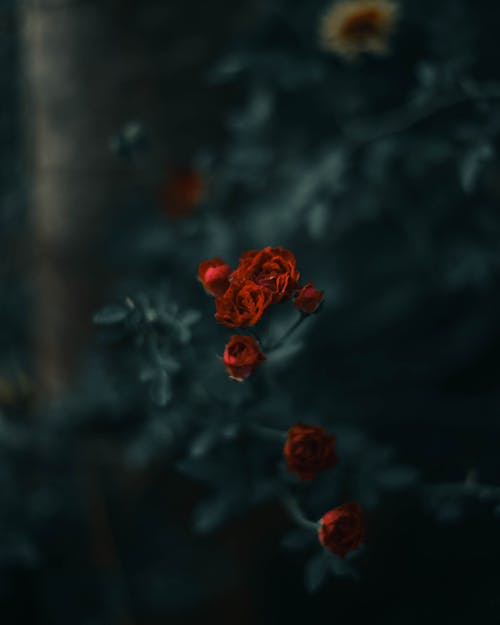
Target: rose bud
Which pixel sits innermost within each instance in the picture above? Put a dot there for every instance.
(308, 299)
(342, 529)
(308, 450)
(242, 356)
(243, 304)
(214, 276)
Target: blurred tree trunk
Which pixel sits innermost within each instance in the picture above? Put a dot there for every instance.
(91, 67)
(70, 65)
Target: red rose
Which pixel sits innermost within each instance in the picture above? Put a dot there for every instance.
(308, 450)
(242, 356)
(342, 529)
(308, 299)
(243, 304)
(273, 268)
(214, 275)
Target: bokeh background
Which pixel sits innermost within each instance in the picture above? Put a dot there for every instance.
(138, 138)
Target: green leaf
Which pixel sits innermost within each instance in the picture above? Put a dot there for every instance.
(111, 315)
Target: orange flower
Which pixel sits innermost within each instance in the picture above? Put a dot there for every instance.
(351, 27)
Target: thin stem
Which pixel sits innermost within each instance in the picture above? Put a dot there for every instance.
(287, 334)
(404, 120)
(270, 434)
(254, 333)
(467, 489)
(152, 340)
(292, 507)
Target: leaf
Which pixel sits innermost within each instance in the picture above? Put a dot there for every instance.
(160, 389)
(343, 568)
(316, 572)
(284, 353)
(397, 478)
(204, 442)
(111, 315)
(211, 513)
(191, 317)
(297, 539)
(473, 164)
(317, 220)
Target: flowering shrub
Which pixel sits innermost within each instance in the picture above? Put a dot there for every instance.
(363, 153)
(262, 278)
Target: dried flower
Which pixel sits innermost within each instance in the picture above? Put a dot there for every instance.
(350, 27)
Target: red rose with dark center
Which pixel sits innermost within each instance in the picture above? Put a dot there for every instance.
(308, 299)
(214, 275)
(242, 356)
(243, 304)
(342, 529)
(273, 268)
(308, 450)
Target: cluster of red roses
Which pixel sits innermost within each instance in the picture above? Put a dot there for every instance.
(262, 278)
(308, 450)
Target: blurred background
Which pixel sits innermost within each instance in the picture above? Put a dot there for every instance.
(138, 138)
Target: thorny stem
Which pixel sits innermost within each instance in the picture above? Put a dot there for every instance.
(292, 507)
